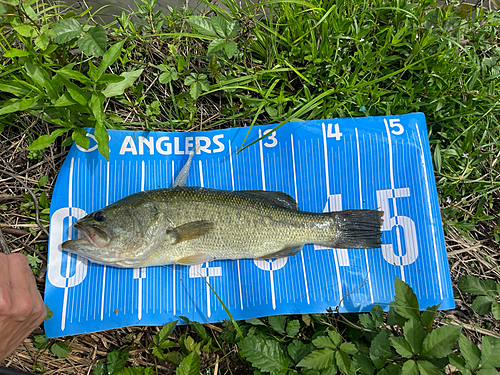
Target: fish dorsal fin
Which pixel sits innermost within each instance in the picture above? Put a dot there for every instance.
(194, 259)
(190, 230)
(285, 252)
(181, 178)
(277, 198)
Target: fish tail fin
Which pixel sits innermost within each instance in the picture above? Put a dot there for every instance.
(360, 229)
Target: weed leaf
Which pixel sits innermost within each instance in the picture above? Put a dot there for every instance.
(136, 370)
(343, 361)
(201, 24)
(348, 347)
(60, 349)
(118, 88)
(427, 317)
(318, 359)
(216, 45)
(102, 138)
(45, 140)
(169, 75)
(293, 327)
(336, 338)
(377, 315)
(322, 342)
(470, 352)
(200, 330)
(27, 31)
(15, 105)
(77, 94)
(298, 350)
(495, 309)
(278, 323)
(459, 363)
(267, 355)
(410, 368)
(42, 41)
(190, 365)
(332, 370)
(406, 302)
(362, 364)
(230, 48)
(166, 330)
(490, 352)
(13, 87)
(380, 349)
(402, 346)
(427, 368)
(219, 25)
(68, 73)
(174, 357)
(366, 320)
(255, 322)
(233, 28)
(16, 52)
(93, 43)
(414, 334)
(109, 57)
(80, 137)
(66, 30)
(487, 371)
(474, 285)
(40, 341)
(440, 342)
(115, 361)
(482, 304)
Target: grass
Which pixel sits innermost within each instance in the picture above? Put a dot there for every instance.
(233, 65)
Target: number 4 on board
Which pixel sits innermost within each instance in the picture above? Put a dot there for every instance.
(337, 133)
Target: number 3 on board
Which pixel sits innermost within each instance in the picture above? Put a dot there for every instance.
(271, 137)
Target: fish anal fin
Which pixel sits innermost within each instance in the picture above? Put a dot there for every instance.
(190, 230)
(277, 198)
(194, 259)
(285, 252)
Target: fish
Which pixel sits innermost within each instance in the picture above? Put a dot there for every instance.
(192, 225)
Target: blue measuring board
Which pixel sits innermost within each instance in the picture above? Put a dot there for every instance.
(327, 165)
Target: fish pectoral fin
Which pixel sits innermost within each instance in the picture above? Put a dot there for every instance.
(276, 198)
(194, 259)
(190, 230)
(285, 252)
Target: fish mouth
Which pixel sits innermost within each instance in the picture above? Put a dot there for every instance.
(94, 234)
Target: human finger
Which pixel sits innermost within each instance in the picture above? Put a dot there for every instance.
(23, 286)
(4, 269)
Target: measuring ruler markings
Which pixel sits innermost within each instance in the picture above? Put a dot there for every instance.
(140, 272)
(338, 207)
(361, 207)
(395, 207)
(174, 297)
(297, 200)
(428, 195)
(232, 188)
(103, 290)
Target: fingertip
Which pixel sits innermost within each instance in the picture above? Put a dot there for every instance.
(19, 260)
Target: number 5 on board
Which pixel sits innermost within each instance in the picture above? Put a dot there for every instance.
(397, 256)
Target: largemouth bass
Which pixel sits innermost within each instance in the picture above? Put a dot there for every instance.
(187, 225)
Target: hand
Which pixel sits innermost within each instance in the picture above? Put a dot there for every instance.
(21, 306)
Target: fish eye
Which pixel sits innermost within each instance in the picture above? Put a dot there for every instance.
(99, 216)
